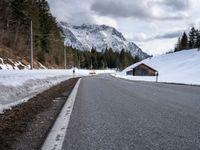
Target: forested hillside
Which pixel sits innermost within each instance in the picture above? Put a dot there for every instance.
(15, 29)
(99, 60)
(48, 42)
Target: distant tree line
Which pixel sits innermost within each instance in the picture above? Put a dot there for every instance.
(189, 41)
(99, 60)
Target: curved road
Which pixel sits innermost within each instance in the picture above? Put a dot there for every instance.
(114, 114)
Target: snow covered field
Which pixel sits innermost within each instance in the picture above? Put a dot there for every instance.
(17, 86)
(180, 67)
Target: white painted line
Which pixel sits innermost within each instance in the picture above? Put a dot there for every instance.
(56, 136)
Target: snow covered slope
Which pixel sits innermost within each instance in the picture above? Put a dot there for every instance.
(86, 37)
(179, 67)
(18, 86)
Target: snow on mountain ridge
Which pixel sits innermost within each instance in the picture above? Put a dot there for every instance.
(100, 37)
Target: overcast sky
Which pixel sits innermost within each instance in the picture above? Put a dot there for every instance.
(154, 25)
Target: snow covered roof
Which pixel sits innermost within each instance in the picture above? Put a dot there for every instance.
(138, 64)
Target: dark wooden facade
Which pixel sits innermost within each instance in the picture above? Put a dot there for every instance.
(142, 70)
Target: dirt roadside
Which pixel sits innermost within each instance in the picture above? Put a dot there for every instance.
(27, 125)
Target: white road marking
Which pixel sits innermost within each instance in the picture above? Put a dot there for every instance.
(56, 136)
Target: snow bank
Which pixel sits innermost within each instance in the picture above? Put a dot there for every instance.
(180, 67)
(18, 86)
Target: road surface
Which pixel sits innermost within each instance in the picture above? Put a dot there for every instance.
(114, 114)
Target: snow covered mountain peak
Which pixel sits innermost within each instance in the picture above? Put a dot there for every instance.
(100, 37)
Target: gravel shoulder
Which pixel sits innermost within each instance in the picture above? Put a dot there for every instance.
(27, 125)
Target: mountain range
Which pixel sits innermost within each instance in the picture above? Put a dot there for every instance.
(100, 37)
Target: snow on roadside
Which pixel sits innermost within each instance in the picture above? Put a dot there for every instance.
(180, 67)
(18, 86)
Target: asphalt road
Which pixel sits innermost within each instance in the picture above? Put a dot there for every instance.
(114, 114)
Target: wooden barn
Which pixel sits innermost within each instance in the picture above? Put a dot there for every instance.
(142, 70)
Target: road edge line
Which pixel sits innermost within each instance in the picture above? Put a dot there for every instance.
(56, 136)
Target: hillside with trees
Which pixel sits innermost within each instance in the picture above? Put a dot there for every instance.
(189, 41)
(15, 31)
(99, 60)
(48, 42)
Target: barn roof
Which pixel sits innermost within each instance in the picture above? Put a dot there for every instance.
(147, 67)
(138, 64)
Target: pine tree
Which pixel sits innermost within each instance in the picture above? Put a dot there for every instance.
(122, 59)
(184, 42)
(192, 37)
(94, 58)
(198, 39)
(178, 45)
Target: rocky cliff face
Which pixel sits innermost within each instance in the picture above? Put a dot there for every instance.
(100, 37)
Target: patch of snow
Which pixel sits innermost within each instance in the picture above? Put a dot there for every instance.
(42, 66)
(2, 62)
(14, 66)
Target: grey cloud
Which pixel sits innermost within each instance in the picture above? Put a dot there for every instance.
(141, 9)
(177, 4)
(73, 11)
(119, 9)
(169, 35)
(171, 16)
(80, 18)
(83, 11)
